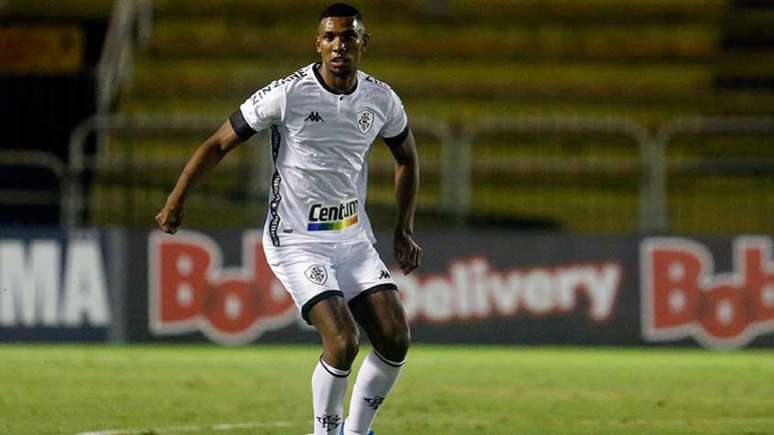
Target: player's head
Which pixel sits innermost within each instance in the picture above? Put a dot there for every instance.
(341, 38)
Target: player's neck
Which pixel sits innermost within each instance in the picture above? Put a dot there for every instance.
(342, 84)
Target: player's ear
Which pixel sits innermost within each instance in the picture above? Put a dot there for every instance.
(366, 39)
(317, 43)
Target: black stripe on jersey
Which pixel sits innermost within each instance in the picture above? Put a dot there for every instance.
(240, 125)
(395, 141)
(276, 179)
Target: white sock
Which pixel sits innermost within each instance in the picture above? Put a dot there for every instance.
(328, 387)
(375, 379)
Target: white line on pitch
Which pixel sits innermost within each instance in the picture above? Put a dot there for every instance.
(219, 426)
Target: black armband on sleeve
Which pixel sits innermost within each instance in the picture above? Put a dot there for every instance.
(397, 140)
(240, 125)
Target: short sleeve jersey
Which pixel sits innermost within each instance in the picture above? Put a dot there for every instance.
(319, 145)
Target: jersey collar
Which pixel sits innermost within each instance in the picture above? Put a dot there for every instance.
(324, 86)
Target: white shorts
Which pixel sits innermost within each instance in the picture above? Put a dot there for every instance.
(311, 272)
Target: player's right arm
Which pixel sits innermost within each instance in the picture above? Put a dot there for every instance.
(206, 157)
(261, 110)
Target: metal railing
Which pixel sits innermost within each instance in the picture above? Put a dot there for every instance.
(75, 201)
(110, 154)
(115, 66)
(747, 187)
(33, 159)
(457, 162)
(460, 185)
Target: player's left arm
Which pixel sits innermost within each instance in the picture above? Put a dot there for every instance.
(404, 149)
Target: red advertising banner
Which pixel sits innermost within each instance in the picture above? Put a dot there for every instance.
(486, 288)
(684, 296)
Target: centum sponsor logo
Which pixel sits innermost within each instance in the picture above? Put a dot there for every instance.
(191, 291)
(336, 217)
(683, 297)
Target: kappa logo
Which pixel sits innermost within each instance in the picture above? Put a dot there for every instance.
(365, 120)
(317, 274)
(375, 402)
(314, 117)
(683, 296)
(384, 274)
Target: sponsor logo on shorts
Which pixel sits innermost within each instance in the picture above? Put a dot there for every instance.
(317, 274)
(332, 217)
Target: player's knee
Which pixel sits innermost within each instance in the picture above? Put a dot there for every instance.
(401, 344)
(343, 348)
(397, 342)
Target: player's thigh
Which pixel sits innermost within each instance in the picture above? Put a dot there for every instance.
(382, 317)
(372, 297)
(338, 331)
(334, 322)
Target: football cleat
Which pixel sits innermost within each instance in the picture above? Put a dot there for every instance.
(341, 430)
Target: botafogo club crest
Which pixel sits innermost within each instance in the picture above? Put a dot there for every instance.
(365, 120)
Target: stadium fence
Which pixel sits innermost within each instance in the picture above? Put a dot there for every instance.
(650, 166)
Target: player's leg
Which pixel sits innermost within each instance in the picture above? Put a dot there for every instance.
(339, 336)
(338, 331)
(381, 314)
(307, 272)
(373, 300)
(382, 317)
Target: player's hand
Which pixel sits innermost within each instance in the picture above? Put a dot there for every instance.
(407, 252)
(170, 217)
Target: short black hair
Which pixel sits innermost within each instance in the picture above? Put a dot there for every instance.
(341, 10)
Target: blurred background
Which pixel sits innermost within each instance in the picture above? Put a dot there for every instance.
(595, 173)
(568, 148)
(585, 116)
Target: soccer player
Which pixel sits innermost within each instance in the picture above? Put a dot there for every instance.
(317, 237)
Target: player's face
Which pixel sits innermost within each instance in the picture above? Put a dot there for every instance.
(341, 42)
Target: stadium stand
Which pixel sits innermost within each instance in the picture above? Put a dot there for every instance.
(47, 56)
(462, 61)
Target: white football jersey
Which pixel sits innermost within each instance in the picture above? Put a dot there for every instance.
(319, 144)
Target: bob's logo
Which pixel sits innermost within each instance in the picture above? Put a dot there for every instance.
(191, 291)
(683, 297)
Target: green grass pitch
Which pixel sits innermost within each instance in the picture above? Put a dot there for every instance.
(69, 389)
